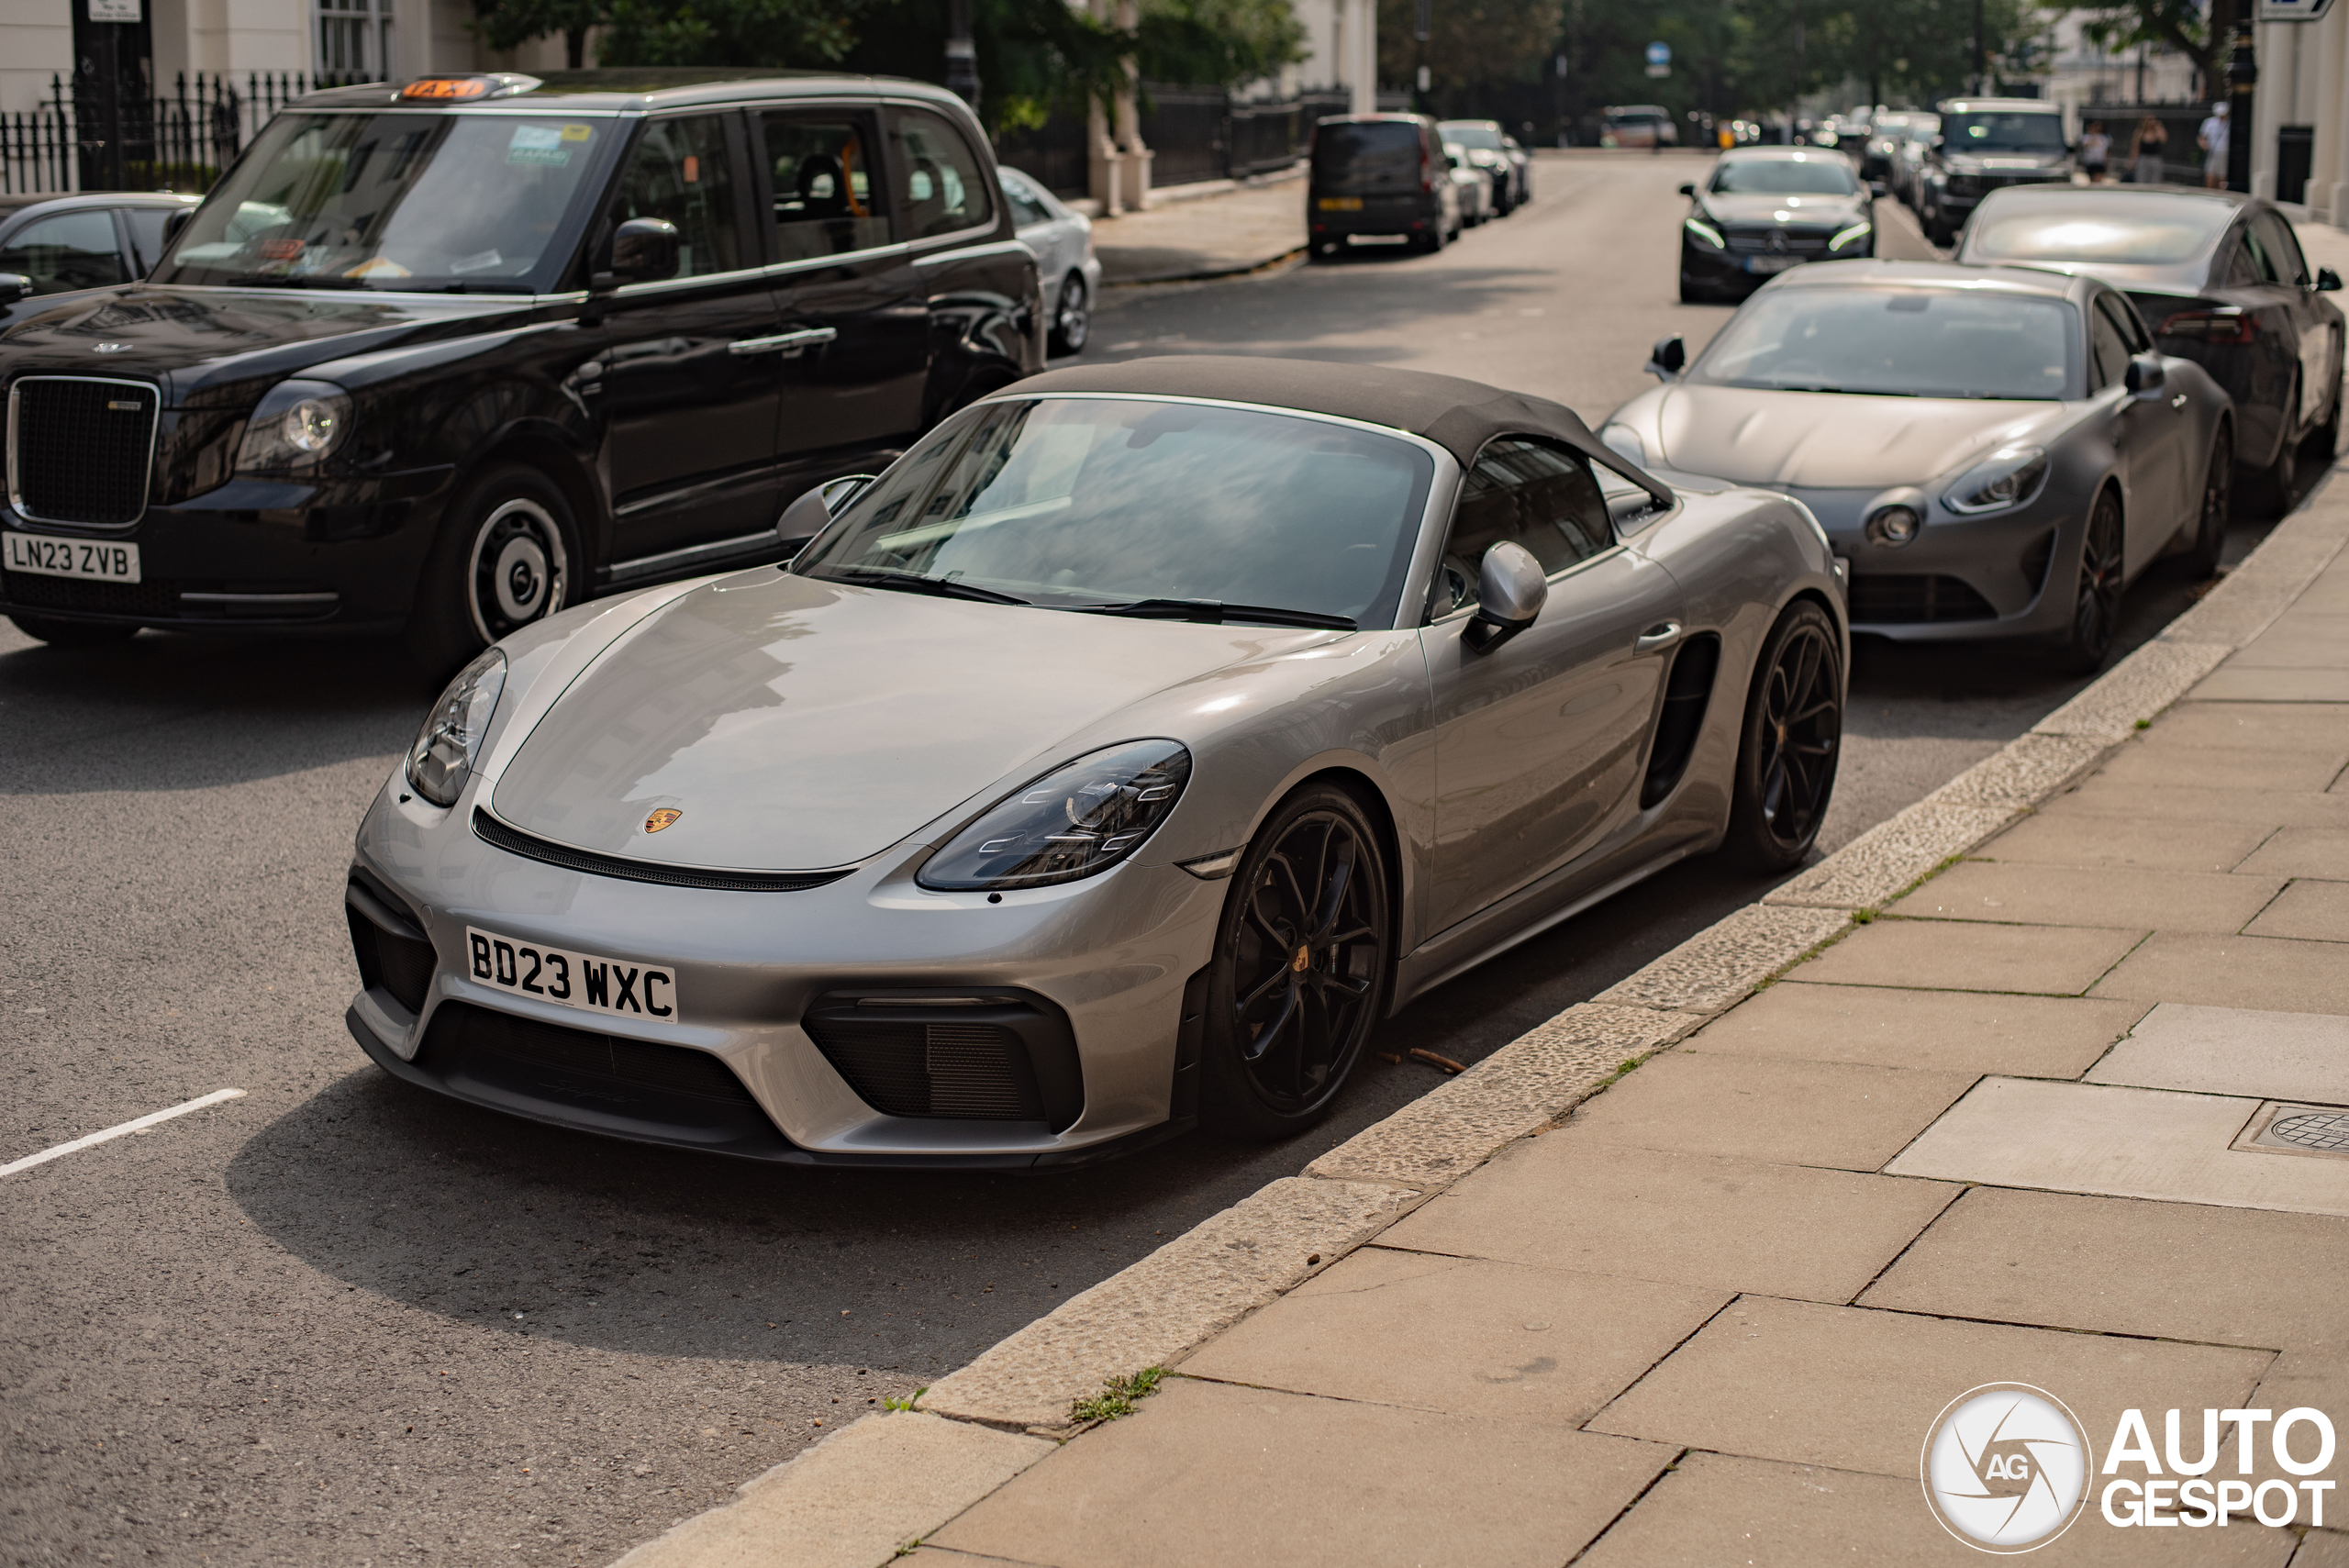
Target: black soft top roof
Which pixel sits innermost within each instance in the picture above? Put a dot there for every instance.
(1457, 414)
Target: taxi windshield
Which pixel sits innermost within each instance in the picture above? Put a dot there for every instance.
(421, 200)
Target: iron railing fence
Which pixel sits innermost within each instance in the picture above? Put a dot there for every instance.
(178, 140)
(1195, 133)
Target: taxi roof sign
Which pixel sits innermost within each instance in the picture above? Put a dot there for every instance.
(465, 88)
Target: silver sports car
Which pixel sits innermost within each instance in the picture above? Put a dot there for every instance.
(1999, 452)
(1115, 761)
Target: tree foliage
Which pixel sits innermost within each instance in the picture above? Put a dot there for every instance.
(2199, 29)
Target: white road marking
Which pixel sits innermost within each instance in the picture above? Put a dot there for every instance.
(141, 1125)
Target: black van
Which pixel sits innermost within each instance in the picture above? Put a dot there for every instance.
(1381, 178)
(444, 357)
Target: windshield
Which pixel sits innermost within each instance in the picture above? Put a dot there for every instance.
(1785, 177)
(1472, 133)
(1081, 502)
(2019, 132)
(2124, 228)
(1918, 342)
(393, 201)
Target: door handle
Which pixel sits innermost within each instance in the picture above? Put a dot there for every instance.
(786, 342)
(1662, 635)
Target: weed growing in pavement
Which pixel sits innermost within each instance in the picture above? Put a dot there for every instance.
(907, 1402)
(2144, 724)
(1863, 916)
(1117, 1396)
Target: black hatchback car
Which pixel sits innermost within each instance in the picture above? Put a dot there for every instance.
(2219, 278)
(1380, 178)
(446, 356)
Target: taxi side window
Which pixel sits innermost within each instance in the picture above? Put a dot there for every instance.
(68, 250)
(1529, 493)
(682, 171)
(945, 190)
(825, 185)
(2108, 349)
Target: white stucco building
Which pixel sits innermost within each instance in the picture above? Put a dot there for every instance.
(2304, 80)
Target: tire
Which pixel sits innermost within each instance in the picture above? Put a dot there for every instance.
(72, 633)
(2096, 602)
(1788, 747)
(1302, 968)
(2267, 491)
(1437, 238)
(1072, 315)
(502, 560)
(2201, 558)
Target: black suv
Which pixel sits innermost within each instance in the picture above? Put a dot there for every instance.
(1984, 144)
(447, 356)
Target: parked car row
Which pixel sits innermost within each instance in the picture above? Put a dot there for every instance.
(1407, 180)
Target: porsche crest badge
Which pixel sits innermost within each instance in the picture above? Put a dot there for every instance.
(661, 818)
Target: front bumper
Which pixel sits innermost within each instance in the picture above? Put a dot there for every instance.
(1376, 215)
(1962, 578)
(255, 555)
(1113, 955)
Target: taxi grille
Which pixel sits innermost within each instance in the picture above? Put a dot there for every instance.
(1894, 598)
(79, 447)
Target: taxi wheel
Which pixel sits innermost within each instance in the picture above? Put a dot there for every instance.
(503, 561)
(1791, 741)
(1301, 968)
(73, 633)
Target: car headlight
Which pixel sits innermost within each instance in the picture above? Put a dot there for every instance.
(2008, 477)
(297, 426)
(1857, 232)
(1706, 233)
(1075, 821)
(442, 757)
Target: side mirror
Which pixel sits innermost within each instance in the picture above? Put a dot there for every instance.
(807, 516)
(1510, 592)
(174, 222)
(2327, 280)
(1688, 191)
(644, 251)
(1668, 358)
(15, 287)
(2145, 376)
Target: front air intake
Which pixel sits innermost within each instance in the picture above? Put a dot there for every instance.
(976, 1055)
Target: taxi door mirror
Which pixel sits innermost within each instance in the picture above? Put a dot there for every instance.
(13, 286)
(644, 251)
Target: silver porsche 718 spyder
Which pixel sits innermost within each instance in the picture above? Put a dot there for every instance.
(1112, 764)
(1997, 451)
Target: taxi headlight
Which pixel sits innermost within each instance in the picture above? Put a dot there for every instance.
(1075, 821)
(297, 426)
(442, 757)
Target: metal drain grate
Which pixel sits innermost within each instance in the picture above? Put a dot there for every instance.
(2328, 1130)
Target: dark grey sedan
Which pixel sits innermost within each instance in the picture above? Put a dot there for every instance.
(52, 245)
(2221, 279)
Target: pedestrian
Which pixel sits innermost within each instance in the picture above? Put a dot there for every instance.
(2145, 152)
(2212, 140)
(2096, 150)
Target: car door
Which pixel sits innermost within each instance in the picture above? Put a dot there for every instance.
(2267, 406)
(2319, 346)
(686, 383)
(1539, 737)
(978, 282)
(853, 350)
(2135, 430)
(2159, 470)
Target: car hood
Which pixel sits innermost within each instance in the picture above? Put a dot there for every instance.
(798, 724)
(217, 347)
(1832, 440)
(1762, 207)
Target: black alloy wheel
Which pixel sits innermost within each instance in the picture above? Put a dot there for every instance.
(1791, 743)
(1301, 968)
(2095, 608)
(2218, 500)
(501, 563)
(1072, 317)
(72, 633)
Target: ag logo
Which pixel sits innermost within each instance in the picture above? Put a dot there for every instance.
(2006, 1467)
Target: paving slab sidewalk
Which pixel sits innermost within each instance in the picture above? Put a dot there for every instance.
(1236, 230)
(2004, 1092)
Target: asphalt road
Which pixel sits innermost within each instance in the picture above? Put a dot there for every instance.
(339, 1321)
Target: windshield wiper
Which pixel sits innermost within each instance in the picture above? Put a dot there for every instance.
(1215, 612)
(916, 583)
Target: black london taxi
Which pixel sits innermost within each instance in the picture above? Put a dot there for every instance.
(443, 357)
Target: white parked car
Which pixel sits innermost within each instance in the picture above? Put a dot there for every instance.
(1063, 243)
(1476, 185)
